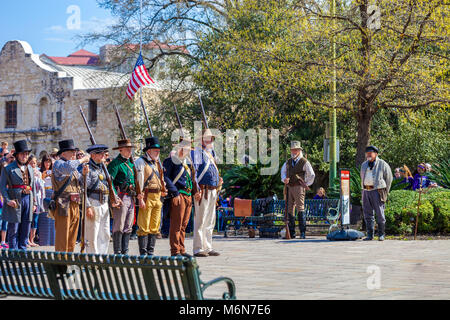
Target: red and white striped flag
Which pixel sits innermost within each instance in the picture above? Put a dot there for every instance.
(139, 78)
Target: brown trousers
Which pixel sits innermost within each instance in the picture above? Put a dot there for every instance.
(66, 229)
(296, 197)
(180, 212)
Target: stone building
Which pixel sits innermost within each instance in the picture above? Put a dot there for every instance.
(40, 97)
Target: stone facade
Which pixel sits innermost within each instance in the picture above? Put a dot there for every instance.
(48, 97)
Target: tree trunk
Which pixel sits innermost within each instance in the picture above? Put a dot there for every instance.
(364, 119)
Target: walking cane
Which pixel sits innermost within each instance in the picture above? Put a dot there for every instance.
(418, 209)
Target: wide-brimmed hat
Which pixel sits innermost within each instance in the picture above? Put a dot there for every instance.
(66, 145)
(97, 148)
(206, 133)
(296, 145)
(21, 146)
(184, 141)
(125, 143)
(151, 143)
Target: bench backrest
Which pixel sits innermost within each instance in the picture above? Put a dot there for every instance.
(98, 277)
(315, 209)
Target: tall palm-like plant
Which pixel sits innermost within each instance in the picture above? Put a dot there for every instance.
(441, 173)
(246, 182)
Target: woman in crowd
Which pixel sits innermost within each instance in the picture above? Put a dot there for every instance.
(320, 194)
(407, 177)
(421, 181)
(39, 185)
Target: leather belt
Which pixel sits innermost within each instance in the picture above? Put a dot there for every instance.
(368, 188)
(207, 187)
(152, 190)
(100, 196)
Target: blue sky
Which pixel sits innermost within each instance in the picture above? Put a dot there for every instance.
(46, 25)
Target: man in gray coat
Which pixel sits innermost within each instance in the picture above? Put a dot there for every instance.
(376, 179)
(18, 191)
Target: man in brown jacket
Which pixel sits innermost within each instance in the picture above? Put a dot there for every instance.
(67, 215)
(298, 174)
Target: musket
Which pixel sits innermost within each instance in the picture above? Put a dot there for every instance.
(205, 122)
(83, 214)
(163, 187)
(112, 193)
(124, 136)
(179, 122)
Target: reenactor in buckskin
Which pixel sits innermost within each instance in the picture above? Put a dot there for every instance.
(97, 203)
(67, 181)
(18, 191)
(151, 178)
(207, 176)
(298, 174)
(121, 170)
(179, 175)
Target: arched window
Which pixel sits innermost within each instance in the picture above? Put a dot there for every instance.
(43, 112)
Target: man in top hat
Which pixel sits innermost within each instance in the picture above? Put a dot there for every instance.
(207, 176)
(122, 173)
(18, 191)
(97, 203)
(298, 174)
(66, 181)
(151, 180)
(179, 175)
(376, 180)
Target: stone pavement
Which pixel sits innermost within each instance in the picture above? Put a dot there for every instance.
(315, 268)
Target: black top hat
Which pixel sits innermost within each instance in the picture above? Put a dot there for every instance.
(97, 148)
(66, 145)
(372, 149)
(21, 146)
(151, 143)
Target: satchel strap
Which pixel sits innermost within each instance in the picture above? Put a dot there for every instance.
(58, 193)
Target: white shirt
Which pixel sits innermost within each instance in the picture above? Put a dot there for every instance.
(140, 165)
(309, 173)
(368, 177)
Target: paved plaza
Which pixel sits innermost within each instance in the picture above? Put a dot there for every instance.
(318, 269)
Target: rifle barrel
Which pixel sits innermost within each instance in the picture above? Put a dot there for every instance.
(179, 121)
(203, 111)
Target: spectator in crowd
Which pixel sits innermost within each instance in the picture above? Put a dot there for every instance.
(4, 149)
(320, 194)
(427, 167)
(54, 154)
(397, 174)
(421, 180)
(39, 195)
(407, 178)
(3, 227)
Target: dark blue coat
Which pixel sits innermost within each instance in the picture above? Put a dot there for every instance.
(171, 171)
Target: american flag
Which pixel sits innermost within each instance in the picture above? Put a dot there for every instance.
(139, 78)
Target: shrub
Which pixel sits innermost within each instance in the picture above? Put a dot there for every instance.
(401, 212)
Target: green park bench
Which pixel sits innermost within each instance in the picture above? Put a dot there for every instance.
(269, 217)
(76, 276)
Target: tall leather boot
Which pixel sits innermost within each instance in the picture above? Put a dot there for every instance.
(370, 230)
(143, 242)
(381, 227)
(151, 244)
(125, 241)
(302, 224)
(292, 225)
(117, 242)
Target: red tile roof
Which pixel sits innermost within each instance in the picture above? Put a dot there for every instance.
(80, 58)
(83, 53)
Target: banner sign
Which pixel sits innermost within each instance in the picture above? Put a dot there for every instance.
(345, 197)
